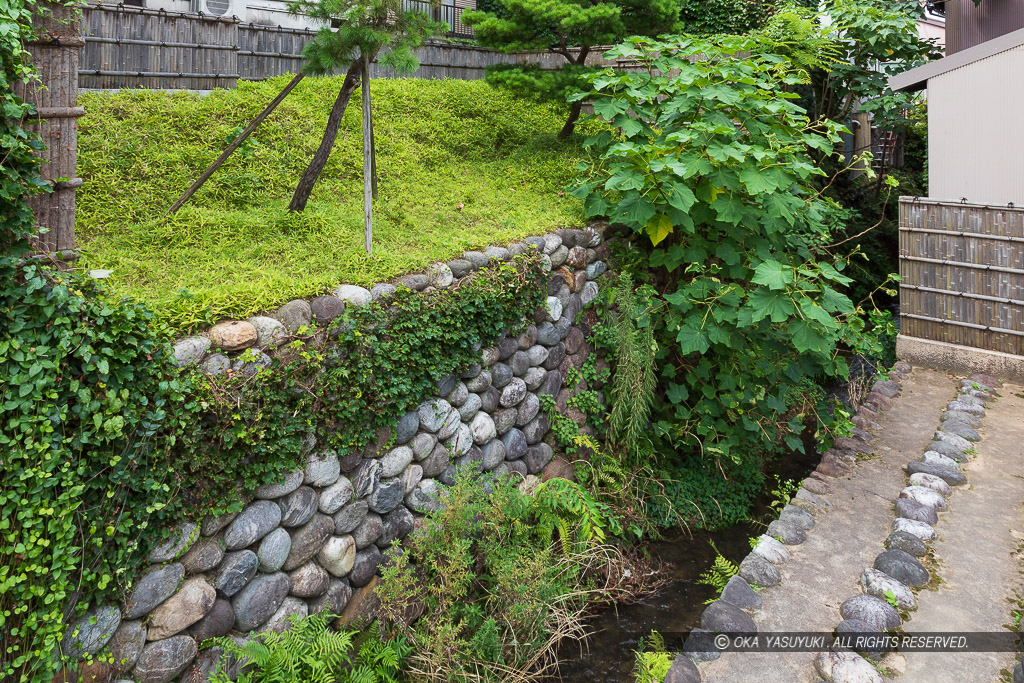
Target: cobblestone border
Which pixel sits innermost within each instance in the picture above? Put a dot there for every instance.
(888, 587)
(581, 254)
(732, 611)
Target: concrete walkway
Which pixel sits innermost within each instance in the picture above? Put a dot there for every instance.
(976, 550)
(978, 553)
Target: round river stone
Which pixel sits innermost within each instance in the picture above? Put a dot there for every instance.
(903, 567)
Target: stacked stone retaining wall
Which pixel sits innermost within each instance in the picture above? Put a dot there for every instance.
(313, 542)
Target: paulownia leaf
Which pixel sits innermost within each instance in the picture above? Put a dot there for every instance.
(692, 339)
(778, 307)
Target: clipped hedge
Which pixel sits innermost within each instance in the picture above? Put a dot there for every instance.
(461, 165)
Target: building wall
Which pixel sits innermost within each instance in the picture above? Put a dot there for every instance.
(272, 12)
(968, 24)
(975, 147)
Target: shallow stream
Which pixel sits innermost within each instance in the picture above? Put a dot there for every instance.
(607, 656)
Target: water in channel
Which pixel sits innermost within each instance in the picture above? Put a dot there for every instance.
(607, 656)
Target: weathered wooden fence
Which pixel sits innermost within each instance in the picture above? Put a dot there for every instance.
(54, 54)
(132, 47)
(962, 270)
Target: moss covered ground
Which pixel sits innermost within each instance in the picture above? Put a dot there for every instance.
(460, 164)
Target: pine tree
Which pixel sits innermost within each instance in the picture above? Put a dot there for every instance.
(366, 28)
(570, 28)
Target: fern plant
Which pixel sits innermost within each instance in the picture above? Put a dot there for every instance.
(309, 650)
(718, 574)
(562, 506)
(634, 381)
(652, 659)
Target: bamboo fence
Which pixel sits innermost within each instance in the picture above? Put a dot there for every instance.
(54, 53)
(962, 271)
(133, 47)
(128, 47)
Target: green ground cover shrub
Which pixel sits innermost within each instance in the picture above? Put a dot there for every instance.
(462, 165)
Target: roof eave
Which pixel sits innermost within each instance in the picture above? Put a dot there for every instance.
(917, 79)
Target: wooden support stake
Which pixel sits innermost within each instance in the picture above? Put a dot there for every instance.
(233, 146)
(861, 143)
(367, 162)
(373, 159)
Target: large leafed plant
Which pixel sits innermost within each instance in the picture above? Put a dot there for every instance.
(708, 160)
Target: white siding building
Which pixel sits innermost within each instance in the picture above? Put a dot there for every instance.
(975, 105)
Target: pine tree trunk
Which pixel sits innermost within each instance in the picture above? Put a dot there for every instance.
(316, 165)
(577, 107)
(570, 125)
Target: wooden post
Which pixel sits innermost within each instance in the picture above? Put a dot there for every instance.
(54, 54)
(373, 160)
(861, 142)
(367, 162)
(235, 144)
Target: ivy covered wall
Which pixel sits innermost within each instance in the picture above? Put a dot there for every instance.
(312, 540)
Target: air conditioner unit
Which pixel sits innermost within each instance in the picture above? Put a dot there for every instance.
(221, 8)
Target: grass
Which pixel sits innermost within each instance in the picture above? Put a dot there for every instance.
(461, 165)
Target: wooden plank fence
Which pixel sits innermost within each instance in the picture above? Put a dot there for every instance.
(962, 270)
(132, 47)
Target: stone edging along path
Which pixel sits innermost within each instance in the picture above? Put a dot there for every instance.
(887, 585)
(760, 568)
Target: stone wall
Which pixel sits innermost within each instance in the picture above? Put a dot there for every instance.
(313, 542)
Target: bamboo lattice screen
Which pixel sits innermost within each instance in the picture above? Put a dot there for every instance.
(962, 270)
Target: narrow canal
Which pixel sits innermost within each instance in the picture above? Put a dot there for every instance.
(607, 656)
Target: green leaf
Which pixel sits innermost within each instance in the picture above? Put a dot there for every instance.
(806, 338)
(625, 179)
(756, 181)
(658, 228)
(635, 209)
(778, 307)
(680, 196)
(730, 209)
(692, 339)
(834, 302)
(773, 275)
(727, 252)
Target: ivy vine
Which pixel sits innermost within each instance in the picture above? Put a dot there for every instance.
(106, 440)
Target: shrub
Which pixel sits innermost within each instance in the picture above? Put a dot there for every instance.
(711, 168)
(481, 592)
